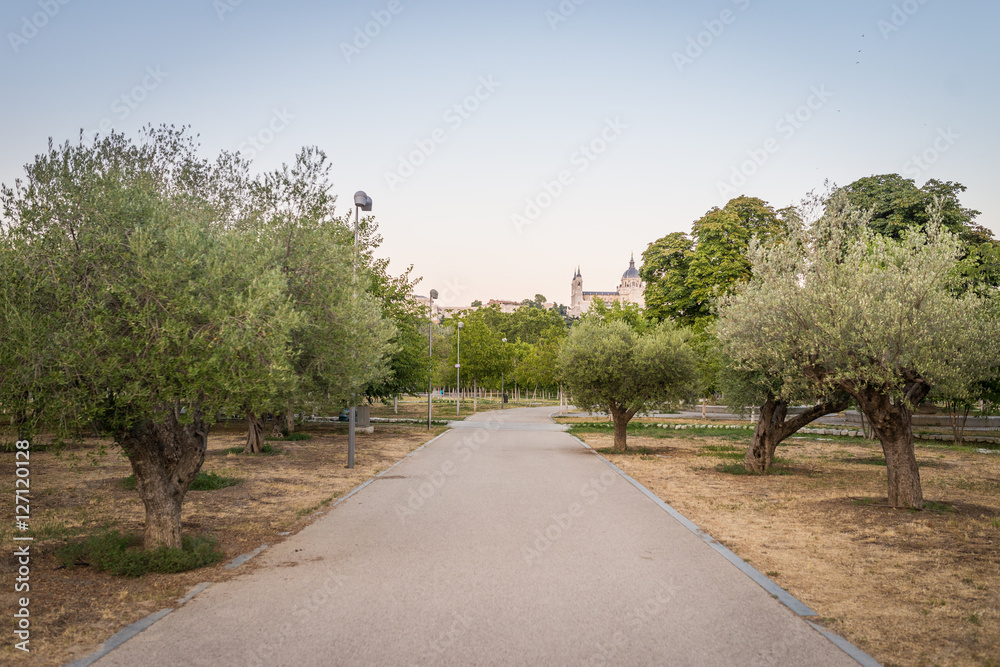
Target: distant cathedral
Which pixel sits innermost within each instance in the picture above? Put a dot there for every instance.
(629, 291)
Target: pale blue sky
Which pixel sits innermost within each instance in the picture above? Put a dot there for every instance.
(671, 134)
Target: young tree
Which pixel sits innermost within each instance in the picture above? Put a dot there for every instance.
(344, 340)
(875, 317)
(609, 365)
(156, 319)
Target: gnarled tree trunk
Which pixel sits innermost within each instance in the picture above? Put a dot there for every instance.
(772, 429)
(255, 433)
(289, 420)
(621, 417)
(277, 428)
(890, 420)
(165, 456)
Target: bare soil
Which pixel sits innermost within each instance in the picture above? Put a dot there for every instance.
(79, 490)
(909, 588)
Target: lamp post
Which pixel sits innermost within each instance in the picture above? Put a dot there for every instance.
(362, 202)
(503, 358)
(430, 359)
(458, 373)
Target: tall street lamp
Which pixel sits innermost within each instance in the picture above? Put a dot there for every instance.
(458, 373)
(430, 359)
(362, 202)
(503, 358)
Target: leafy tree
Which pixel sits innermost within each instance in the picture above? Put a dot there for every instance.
(896, 204)
(609, 365)
(872, 316)
(155, 317)
(344, 341)
(684, 275)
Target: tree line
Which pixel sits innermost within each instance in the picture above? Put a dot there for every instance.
(146, 291)
(878, 294)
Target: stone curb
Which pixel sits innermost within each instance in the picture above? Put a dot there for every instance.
(776, 591)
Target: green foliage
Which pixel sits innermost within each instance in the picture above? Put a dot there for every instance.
(610, 365)
(120, 555)
(203, 481)
(138, 301)
(869, 310)
(684, 274)
(895, 205)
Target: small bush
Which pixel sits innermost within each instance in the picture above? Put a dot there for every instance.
(122, 555)
(292, 437)
(203, 481)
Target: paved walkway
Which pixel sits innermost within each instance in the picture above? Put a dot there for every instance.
(500, 543)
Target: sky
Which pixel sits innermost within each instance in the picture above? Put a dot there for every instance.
(505, 144)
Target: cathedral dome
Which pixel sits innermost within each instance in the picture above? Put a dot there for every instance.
(632, 272)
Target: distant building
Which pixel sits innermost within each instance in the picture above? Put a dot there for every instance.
(630, 290)
(505, 306)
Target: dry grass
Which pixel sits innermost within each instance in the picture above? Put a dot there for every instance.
(910, 588)
(80, 490)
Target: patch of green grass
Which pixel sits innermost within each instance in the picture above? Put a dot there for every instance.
(631, 451)
(723, 451)
(941, 508)
(54, 529)
(321, 504)
(654, 431)
(121, 555)
(292, 437)
(738, 469)
(203, 481)
(865, 502)
(871, 460)
(974, 619)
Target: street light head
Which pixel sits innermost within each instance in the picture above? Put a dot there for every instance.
(434, 294)
(362, 200)
(461, 325)
(504, 340)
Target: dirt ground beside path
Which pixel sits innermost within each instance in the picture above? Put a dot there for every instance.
(80, 490)
(909, 588)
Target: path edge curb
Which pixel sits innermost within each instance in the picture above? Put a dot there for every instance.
(130, 631)
(799, 608)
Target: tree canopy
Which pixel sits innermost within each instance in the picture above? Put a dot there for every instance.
(608, 365)
(873, 316)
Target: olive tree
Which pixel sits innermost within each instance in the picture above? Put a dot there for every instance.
(154, 316)
(877, 318)
(609, 365)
